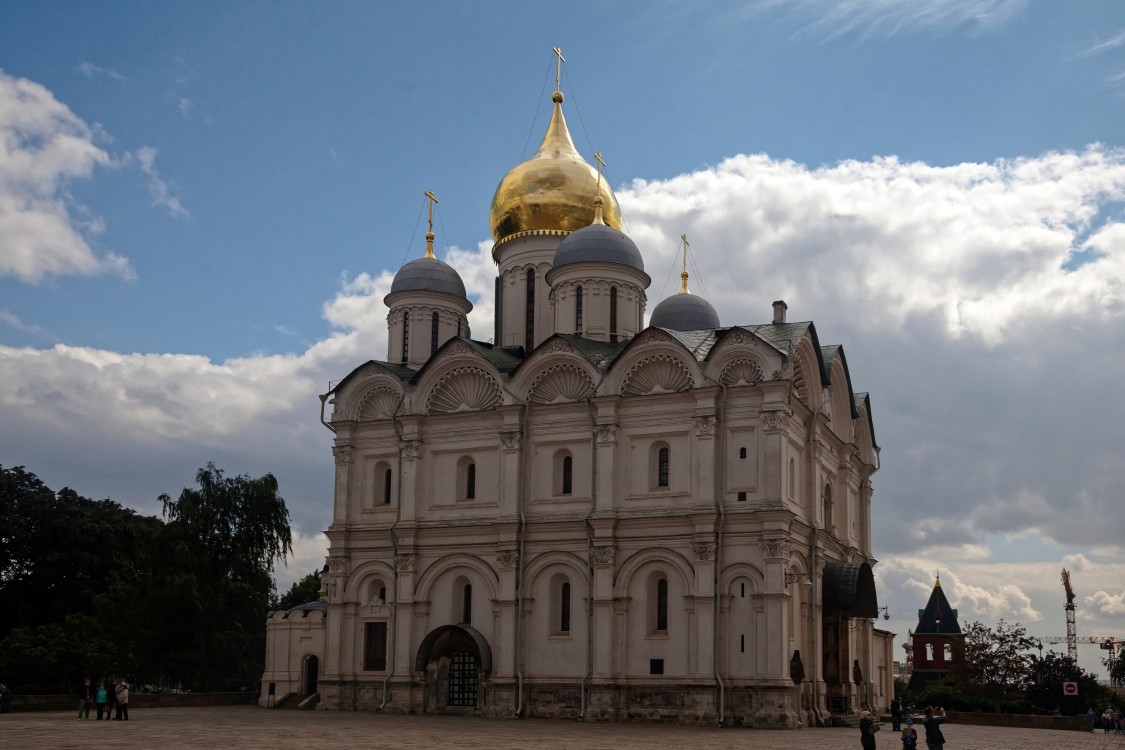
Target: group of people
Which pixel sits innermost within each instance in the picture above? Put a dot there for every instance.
(110, 702)
(1110, 721)
(908, 735)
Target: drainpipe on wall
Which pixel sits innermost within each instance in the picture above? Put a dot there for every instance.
(590, 549)
(716, 632)
(392, 625)
(813, 498)
(520, 500)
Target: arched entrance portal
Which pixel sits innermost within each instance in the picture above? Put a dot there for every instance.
(312, 667)
(455, 660)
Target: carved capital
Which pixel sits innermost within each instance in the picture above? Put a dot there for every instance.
(819, 449)
(773, 420)
(510, 439)
(405, 563)
(775, 549)
(337, 565)
(507, 559)
(703, 550)
(603, 555)
(607, 433)
(342, 454)
(705, 425)
(410, 448)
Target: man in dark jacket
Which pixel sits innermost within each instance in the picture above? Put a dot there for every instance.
(933, 721)
(85, 699)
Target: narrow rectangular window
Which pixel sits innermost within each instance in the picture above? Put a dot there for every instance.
(567, 475)
(578, 311)
(743, 594)
(529, 314)
(656, 666)
(471, 482)
(387, 487)
(742, 643)
(564, 608)
(433, 333)
(467, 604)
(375, 646)
(613, 315)
(662, 605)
(663, 459)
(405, 336)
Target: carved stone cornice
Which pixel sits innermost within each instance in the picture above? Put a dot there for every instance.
(703, 550)
(460, 348)
(405, 563)
(607, 433)
(773, 420)
(410, 448)
(705, 425)
(337, 565)
(510, 439)
(604, 555)
(558, 345)
(775, 549)
(507, 558)
(342, 454)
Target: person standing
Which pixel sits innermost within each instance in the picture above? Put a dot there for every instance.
(123, 700)
(5, 698)
(85, 699)
(896, 714)
(100, 699)
(932, 721)
(1091, 718)
(111, 698)
(867, 729)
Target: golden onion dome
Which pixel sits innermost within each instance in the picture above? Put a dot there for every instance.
(554, 190)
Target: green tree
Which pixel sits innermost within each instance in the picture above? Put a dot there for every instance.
(224, 535)
(1046, 689)
(1114, 662)
(997, 663)
(305, 590)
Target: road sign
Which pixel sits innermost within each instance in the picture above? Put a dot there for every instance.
(1070, 688)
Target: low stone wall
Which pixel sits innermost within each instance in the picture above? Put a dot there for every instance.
(1024, 721)
(136, 700)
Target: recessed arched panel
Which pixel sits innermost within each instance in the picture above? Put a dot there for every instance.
(564, 382)
(741, 372)
(661, 373)
(464, 389)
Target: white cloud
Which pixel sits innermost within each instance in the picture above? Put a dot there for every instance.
(162, 193)
(1107, 604)
(1109, 44)
(884, 18)
(90, 70)
(10, 319)
(43, 148)
(185, 106)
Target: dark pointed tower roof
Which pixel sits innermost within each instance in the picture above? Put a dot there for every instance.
(937, 617)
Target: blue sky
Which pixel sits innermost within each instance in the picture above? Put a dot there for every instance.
(202, 205)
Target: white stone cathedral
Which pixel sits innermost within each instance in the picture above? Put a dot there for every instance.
(589, 517)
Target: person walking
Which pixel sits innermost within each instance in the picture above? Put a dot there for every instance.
(932, 722)
(896, 714)
(100, 699)
(85, 699)
(867, 729)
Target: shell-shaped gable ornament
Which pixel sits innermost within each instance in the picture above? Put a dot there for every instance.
(741, 372)
(464, 389)
(658, 374)
(378, 403)
(560, 383)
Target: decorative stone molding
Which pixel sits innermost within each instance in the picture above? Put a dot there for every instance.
(604, 555)
(507, 559)
(510, 439)
(378, 403)
(820, 448)
(405, 563)
(741, 372)
(560, 383)
(654, 334)
(558, 345)
(410, 448)
(342, 454)
(738, 337)
(775, 375)
(705, 425)
(460, 348)
(775, 549)
(337, 565)
(703, 550)
(607, 433)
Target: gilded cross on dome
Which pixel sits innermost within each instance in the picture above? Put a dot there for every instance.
(684, 274)
(430, 234)
(558, 68)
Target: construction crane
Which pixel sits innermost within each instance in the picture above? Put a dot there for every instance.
(1105, 642)
(1071, 628)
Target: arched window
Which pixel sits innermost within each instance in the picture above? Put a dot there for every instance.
(387, 476)
(529, 314)
(613, 315)
(567, 475)
(742, 453)
(433, 333)
(929, 652)
(564, 607)
(471, 482)
(467, 604)
(405, 336)
(578, 311)
(663, 458)
(947, 652)
(661, 605)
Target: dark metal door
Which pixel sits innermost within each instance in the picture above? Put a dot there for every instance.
(463, 675)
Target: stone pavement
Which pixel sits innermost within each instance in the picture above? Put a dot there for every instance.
(241, 727)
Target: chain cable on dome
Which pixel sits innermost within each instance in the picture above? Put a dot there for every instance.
(410, 247)
(535, 119)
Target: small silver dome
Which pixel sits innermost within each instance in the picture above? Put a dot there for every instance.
(684, 312)
(599, 243)
(428, 274)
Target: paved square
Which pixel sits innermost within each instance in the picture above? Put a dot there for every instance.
(250, 727)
